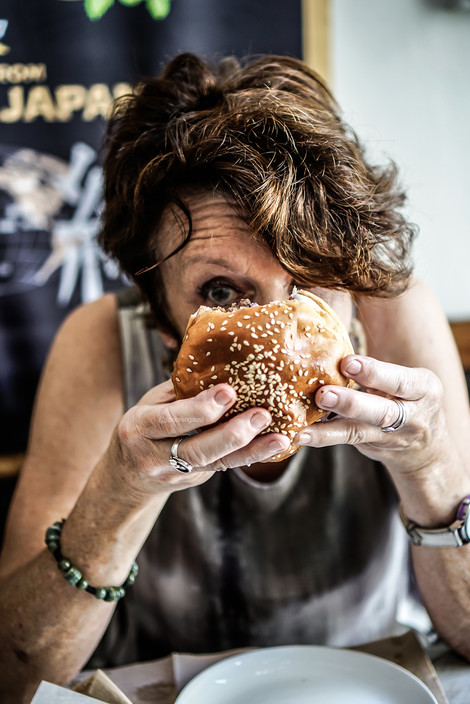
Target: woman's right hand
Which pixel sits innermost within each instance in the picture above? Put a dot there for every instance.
(141, 445)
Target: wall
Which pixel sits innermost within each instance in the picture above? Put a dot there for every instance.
(401, 71)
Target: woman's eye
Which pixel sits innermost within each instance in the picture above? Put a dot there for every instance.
(220, 294)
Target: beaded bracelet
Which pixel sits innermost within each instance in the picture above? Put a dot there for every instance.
(74, 576)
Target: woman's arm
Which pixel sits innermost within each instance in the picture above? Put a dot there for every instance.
(413, 358)
(109, 476)
(412, 331)
(48, 628)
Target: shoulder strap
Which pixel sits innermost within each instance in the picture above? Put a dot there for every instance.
(143, 350)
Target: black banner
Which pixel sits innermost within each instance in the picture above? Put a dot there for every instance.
(62, 62)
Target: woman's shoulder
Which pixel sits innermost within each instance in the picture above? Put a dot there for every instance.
(409, 329)
(85, 360)
(94, 322)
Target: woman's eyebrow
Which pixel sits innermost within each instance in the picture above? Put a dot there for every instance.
(200, 259)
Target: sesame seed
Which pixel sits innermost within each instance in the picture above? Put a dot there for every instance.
(223, 329)
(207, 354)
(212, 369)
(188, 369)
(239, 324)
(191, 356)
(214, 377)
(178, 379)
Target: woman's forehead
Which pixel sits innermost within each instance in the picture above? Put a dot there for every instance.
(216, 227)
(208, 211)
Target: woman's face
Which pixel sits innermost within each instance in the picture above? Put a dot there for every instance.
(222, 263)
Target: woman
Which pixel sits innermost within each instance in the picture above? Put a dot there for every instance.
(222, 184)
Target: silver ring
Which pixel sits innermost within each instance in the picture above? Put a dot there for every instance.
(175, 461)
(400, 421)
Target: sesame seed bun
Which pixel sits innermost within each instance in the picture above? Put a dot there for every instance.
(276, 356)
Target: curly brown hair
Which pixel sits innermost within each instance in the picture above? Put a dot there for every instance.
(269, 135)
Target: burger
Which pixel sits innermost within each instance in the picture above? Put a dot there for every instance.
(276, 356)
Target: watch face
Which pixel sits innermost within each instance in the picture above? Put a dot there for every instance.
(464, 514)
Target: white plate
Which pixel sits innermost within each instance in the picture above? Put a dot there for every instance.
(305, 674)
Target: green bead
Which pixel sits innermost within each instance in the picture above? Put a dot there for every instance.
(101, 592)
(82, 584)
(73, 575)
(131, 578)
(58, 525)
(121, 592)
(52, 545)
(111, 594)
(52, 534)
(64, 565)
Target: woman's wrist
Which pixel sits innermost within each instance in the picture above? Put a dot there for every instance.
(107, 527)
(431, 495)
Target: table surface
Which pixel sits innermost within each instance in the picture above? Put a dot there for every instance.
(443, 671)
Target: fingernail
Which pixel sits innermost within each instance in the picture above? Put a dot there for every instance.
(303, 439)
(259, 421)
(353, 367)
(329, 399)
(223, 397)
(278, 445)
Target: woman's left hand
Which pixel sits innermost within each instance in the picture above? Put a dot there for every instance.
(363, 414)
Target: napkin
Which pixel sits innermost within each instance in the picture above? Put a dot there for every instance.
(48, 693)
(102, 688)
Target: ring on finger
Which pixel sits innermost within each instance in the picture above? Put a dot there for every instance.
(175, 461)
(401, 418)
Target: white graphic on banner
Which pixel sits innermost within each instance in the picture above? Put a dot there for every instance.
(50, 220)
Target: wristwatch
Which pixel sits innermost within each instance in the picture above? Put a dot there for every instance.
(455, 535)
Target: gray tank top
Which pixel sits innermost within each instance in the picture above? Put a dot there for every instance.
(317, 557)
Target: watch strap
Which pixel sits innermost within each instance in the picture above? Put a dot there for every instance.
(454, 535)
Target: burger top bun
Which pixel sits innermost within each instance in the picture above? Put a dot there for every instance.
(276, 356)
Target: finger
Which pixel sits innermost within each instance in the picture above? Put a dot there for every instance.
(378, 411)
(342, 431)
(180, 417)
(392, 379)
(233, 443)
(260, 449)
(162, 393)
